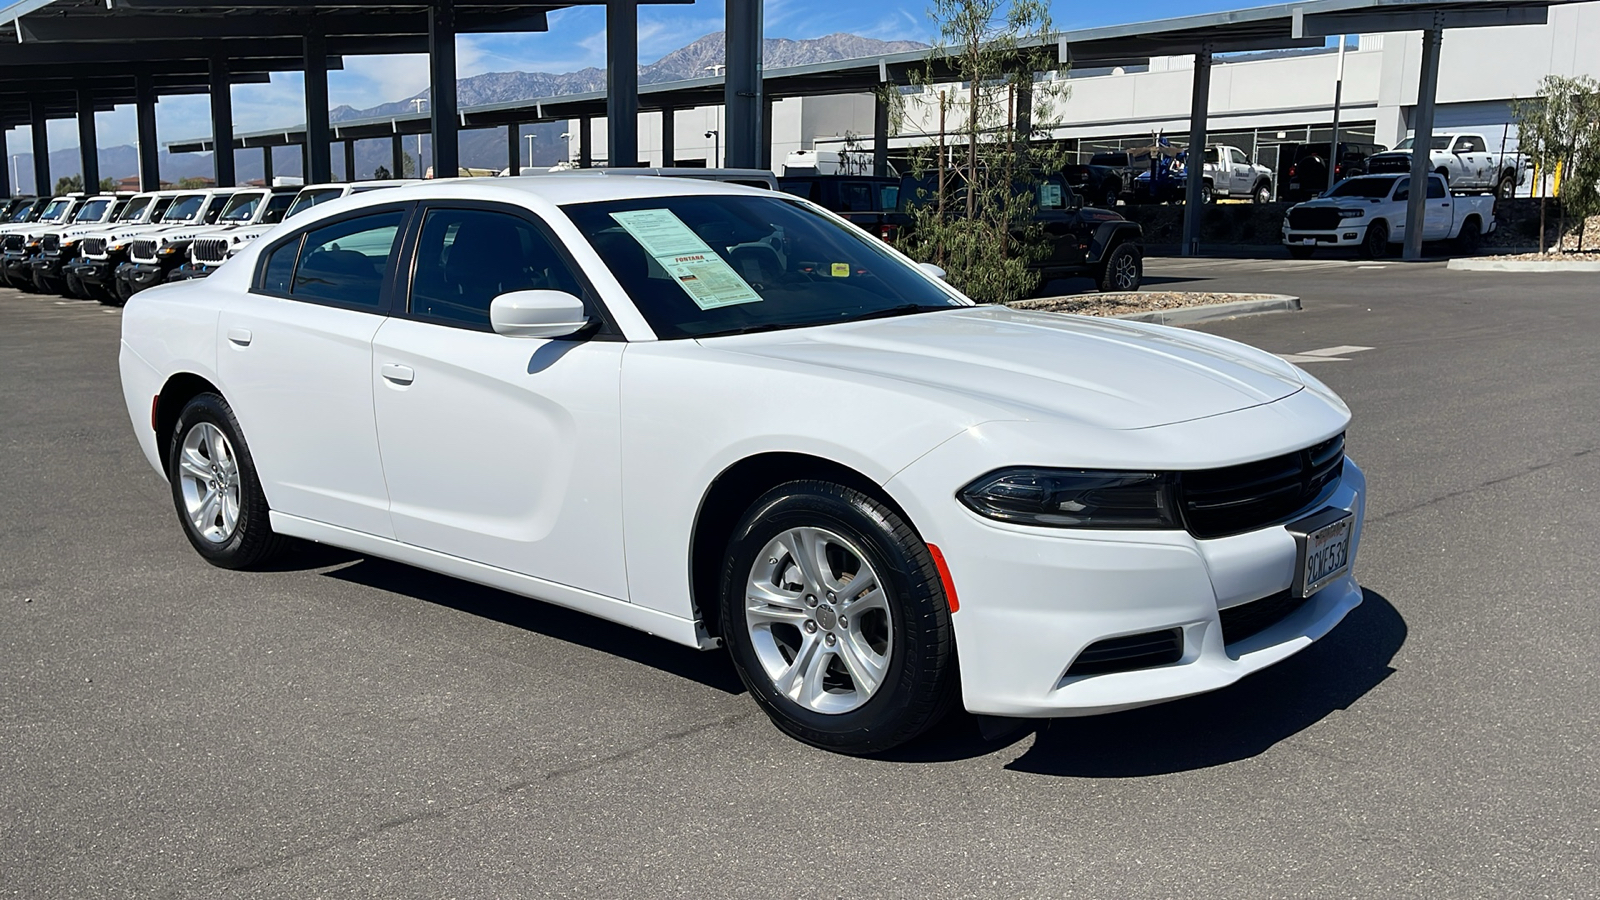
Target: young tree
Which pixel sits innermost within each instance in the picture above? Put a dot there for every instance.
(1559, 129)
(107, 186)
(973, 213)
(68, 183)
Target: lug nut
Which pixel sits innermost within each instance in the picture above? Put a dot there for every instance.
(811, 599)
(831, 640)
(811, 627)
(844, 621)
(831, 597)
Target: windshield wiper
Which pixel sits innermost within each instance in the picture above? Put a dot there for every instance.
(904, 309)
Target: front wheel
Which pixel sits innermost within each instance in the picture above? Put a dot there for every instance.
(1122, 270)
(837, 620)
(1507, 187)
(215, 489)
(1376, 243)
(1262, 194)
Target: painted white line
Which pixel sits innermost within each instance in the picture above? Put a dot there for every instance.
(1344, 350)
(1372, 267)
(1326, 354)
(1300, 359)
(1302, 267)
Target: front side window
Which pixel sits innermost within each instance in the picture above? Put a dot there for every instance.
(343, 263)
(703, 265)
(1435, 188)
(468, 257)
(93, 210)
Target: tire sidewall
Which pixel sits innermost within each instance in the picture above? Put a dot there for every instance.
(918, 611)
(236, 550)
(1375, 249)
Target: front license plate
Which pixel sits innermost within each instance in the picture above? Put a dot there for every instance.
(1322, 549)
(1308, 240)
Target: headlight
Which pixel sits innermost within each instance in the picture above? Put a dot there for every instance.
(1075, 498)
(1351, 213)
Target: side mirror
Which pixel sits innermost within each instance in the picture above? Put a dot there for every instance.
(537, 314)
(1074, 201)
(932, 269)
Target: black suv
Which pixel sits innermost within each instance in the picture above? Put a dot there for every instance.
(1084, 241)
(1303, 168)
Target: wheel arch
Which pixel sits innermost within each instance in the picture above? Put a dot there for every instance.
(175, 394)
(1108, 235)
(730, 495)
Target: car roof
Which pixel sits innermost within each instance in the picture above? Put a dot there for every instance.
(578, 186)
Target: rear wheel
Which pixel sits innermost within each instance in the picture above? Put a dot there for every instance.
(1470, 238)
(1207, 194)
(1109, 196)
(1121, 270)
(215, 489)
(1506, 188)
(1376, 244)
(836, 619)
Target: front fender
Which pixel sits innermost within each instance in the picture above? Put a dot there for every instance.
(1109, 235)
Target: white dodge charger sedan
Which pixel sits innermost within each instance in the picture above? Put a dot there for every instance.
(727, 417)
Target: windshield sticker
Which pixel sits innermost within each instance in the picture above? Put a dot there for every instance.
(708, 280)
(841, 270)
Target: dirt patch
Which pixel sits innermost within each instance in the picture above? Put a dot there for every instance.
(1112, 304)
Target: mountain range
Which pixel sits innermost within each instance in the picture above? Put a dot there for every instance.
(484, 147)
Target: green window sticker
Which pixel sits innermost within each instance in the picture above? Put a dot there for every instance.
(708, 280)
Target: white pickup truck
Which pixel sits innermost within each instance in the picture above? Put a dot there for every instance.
(1463, 160)
(1230, 173)
(1369, 211)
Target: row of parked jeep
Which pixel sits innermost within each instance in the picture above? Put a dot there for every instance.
(108, 247)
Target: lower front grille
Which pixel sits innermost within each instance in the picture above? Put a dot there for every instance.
(1250, 619)
(1135, 651)
(1398, 164)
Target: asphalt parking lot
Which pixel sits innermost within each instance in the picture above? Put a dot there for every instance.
(349, 727)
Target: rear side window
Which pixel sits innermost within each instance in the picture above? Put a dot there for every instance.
(468, 257)
(344, 263)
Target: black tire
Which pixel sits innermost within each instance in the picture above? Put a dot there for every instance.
(919, 684)
(1376, 243)
(1208, 194)
(1262, 193)
(252, 540)
(1301, 252)
(74, 287)
(1506, 187)
(1470, 238)
(1121, 270)
(1109, 196)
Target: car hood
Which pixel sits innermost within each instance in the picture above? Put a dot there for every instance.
(1030, 365)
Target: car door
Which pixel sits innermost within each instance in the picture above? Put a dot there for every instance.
(501, 450)
(295, 354)
(1061, 223)
(1438, 220)
(1240, 179)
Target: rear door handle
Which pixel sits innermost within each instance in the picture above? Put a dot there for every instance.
(240, 336)
(398, 374)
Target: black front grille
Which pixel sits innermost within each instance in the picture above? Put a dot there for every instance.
(210, 250)
(1236, 499)
(11, 243)
(1385, 165)
(142, 251)
(1248, 619)
(50, 244)
(1134, 651)
(1314, 218)
(94, 246)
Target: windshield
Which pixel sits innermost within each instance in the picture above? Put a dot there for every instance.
(705, 265)
(1372, 188)
(22, 211)
(1438, 142)
(134, 209)
(56, 210)
(241, 208)
(184, 208)
(92, 211)
(309, 198)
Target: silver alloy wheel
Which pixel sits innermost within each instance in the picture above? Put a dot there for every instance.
(208, 473)
(1125, 272)
(819, 620)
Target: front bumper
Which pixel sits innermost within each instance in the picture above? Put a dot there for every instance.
(18, 267)
(139, 276)
(1344, 236)
(50, 267)
(1032, 599)
(192, 270)
(93, 271)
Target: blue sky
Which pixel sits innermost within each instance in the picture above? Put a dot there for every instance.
(576, 39)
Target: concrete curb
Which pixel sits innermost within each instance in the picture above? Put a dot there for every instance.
(1189, 315)
(1490, 264)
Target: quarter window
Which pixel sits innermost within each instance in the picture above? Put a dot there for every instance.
(280, 268)
(344, 263)
(468, 257)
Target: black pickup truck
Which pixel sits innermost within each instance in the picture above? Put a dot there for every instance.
(1106, 177)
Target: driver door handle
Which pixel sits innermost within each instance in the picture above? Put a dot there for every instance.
(398, 374)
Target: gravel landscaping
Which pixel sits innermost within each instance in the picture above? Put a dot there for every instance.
(1117, 304)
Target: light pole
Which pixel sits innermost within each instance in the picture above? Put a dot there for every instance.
(566, 155)
(16, 180)
(1338, 95)
(530, 150)
(418, 102)
(716, 148)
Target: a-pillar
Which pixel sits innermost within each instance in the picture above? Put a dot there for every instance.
(1199, 103)
(349, 160)
(397, 155)
(1422, 137)
(585, 143)
(742, 85)
(88, 144)
(880, 131)
(622, 82)
(144, 101)
(266, 166)
(41, 150)
(669, 138)
(222, 122)
(442, 89)
(319, 140)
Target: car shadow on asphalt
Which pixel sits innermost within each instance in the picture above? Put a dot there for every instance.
(1235, 723)
(712, 669)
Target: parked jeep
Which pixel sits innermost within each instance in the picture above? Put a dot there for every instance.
(58, 247)
(20, 244)
(90, 274)
(150, 257)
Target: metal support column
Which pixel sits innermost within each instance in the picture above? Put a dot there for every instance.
(1422, 137)
(266, 166)
(5, 163)
(1334, 156)
(514, 149)
(1199, 105)
(764, 147)
(319, 141)
(442, 89)
(742, 88)
(88, 144)
(397, 155)
(880, 131)
(669, 138)
(585, 143)
(222, 122)
(349, 160)
(41, 150)
(622, 82)
(144, 101)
